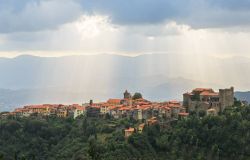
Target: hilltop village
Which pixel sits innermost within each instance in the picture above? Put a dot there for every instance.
(200, 101)
(204, 100)
(125, 127)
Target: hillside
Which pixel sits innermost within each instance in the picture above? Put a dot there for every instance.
(211, 137)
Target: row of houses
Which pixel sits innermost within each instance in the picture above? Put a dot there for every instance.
(200, 99)
(58, 110)
(139, 109)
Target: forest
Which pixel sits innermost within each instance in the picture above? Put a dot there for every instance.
(222, 137)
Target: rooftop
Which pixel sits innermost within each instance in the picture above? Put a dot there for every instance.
(183, 114)
(130, 130)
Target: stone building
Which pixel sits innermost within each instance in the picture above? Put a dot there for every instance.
(127, 99)
(226, 97)
(127, 95)
(202, 99)
(93, 111)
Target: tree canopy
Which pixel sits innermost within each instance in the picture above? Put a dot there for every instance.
(226, 136)
(137, 95)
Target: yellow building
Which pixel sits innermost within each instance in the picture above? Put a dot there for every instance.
(61, 113)
(38, 109)
(141, 127)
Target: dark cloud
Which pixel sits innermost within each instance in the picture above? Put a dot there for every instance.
(137, 11)
(15, 5)
(35, 15)
(233, 5)
(197, 13)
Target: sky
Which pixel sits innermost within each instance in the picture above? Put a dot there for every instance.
(70, 27)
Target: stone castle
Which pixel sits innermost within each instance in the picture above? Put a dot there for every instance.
(206, 99)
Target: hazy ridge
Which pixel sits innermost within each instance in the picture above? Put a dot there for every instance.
(29, 79)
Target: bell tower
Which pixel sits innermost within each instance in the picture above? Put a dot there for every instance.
(127, 95)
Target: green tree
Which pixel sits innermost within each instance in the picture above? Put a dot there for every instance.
(237, 102)
(137, 96)
(95, 149)
(226, 136)
(1, 156)
(202, 113)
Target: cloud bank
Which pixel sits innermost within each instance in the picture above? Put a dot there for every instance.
(65, 27)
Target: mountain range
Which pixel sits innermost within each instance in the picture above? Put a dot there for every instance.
(76, 79)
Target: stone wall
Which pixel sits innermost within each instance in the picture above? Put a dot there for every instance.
(226, 97)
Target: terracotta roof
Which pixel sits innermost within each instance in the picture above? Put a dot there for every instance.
(183, 114)
(124, 108)
(18, 109)
(112, 107)
(202, 89)
(153, 118)
(25, 110)
(130, 130)
(37, 107)
(157, 106)
(142, 103)
(174, 105)
(174, 102)
(152, 121)
(116, 101)
(166, 108)
(143, 107)
(142, 125)
(80, 108)
(207, 93)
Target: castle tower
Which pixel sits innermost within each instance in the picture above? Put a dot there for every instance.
(127, 95)
(128, 98)
(226, 97)
(91, 102)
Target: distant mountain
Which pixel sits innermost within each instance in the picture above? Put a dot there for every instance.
(29, 79)
(245, 96)
(12, 98)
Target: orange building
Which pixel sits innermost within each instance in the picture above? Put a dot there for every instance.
(152, 121)
(43, 109)
(114, 101)
(129, 132)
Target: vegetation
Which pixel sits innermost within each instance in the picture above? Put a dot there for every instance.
(137, 96)
(226, 136)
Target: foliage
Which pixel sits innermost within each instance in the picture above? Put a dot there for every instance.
(198, 137)
(237, 102)
(137, 96)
